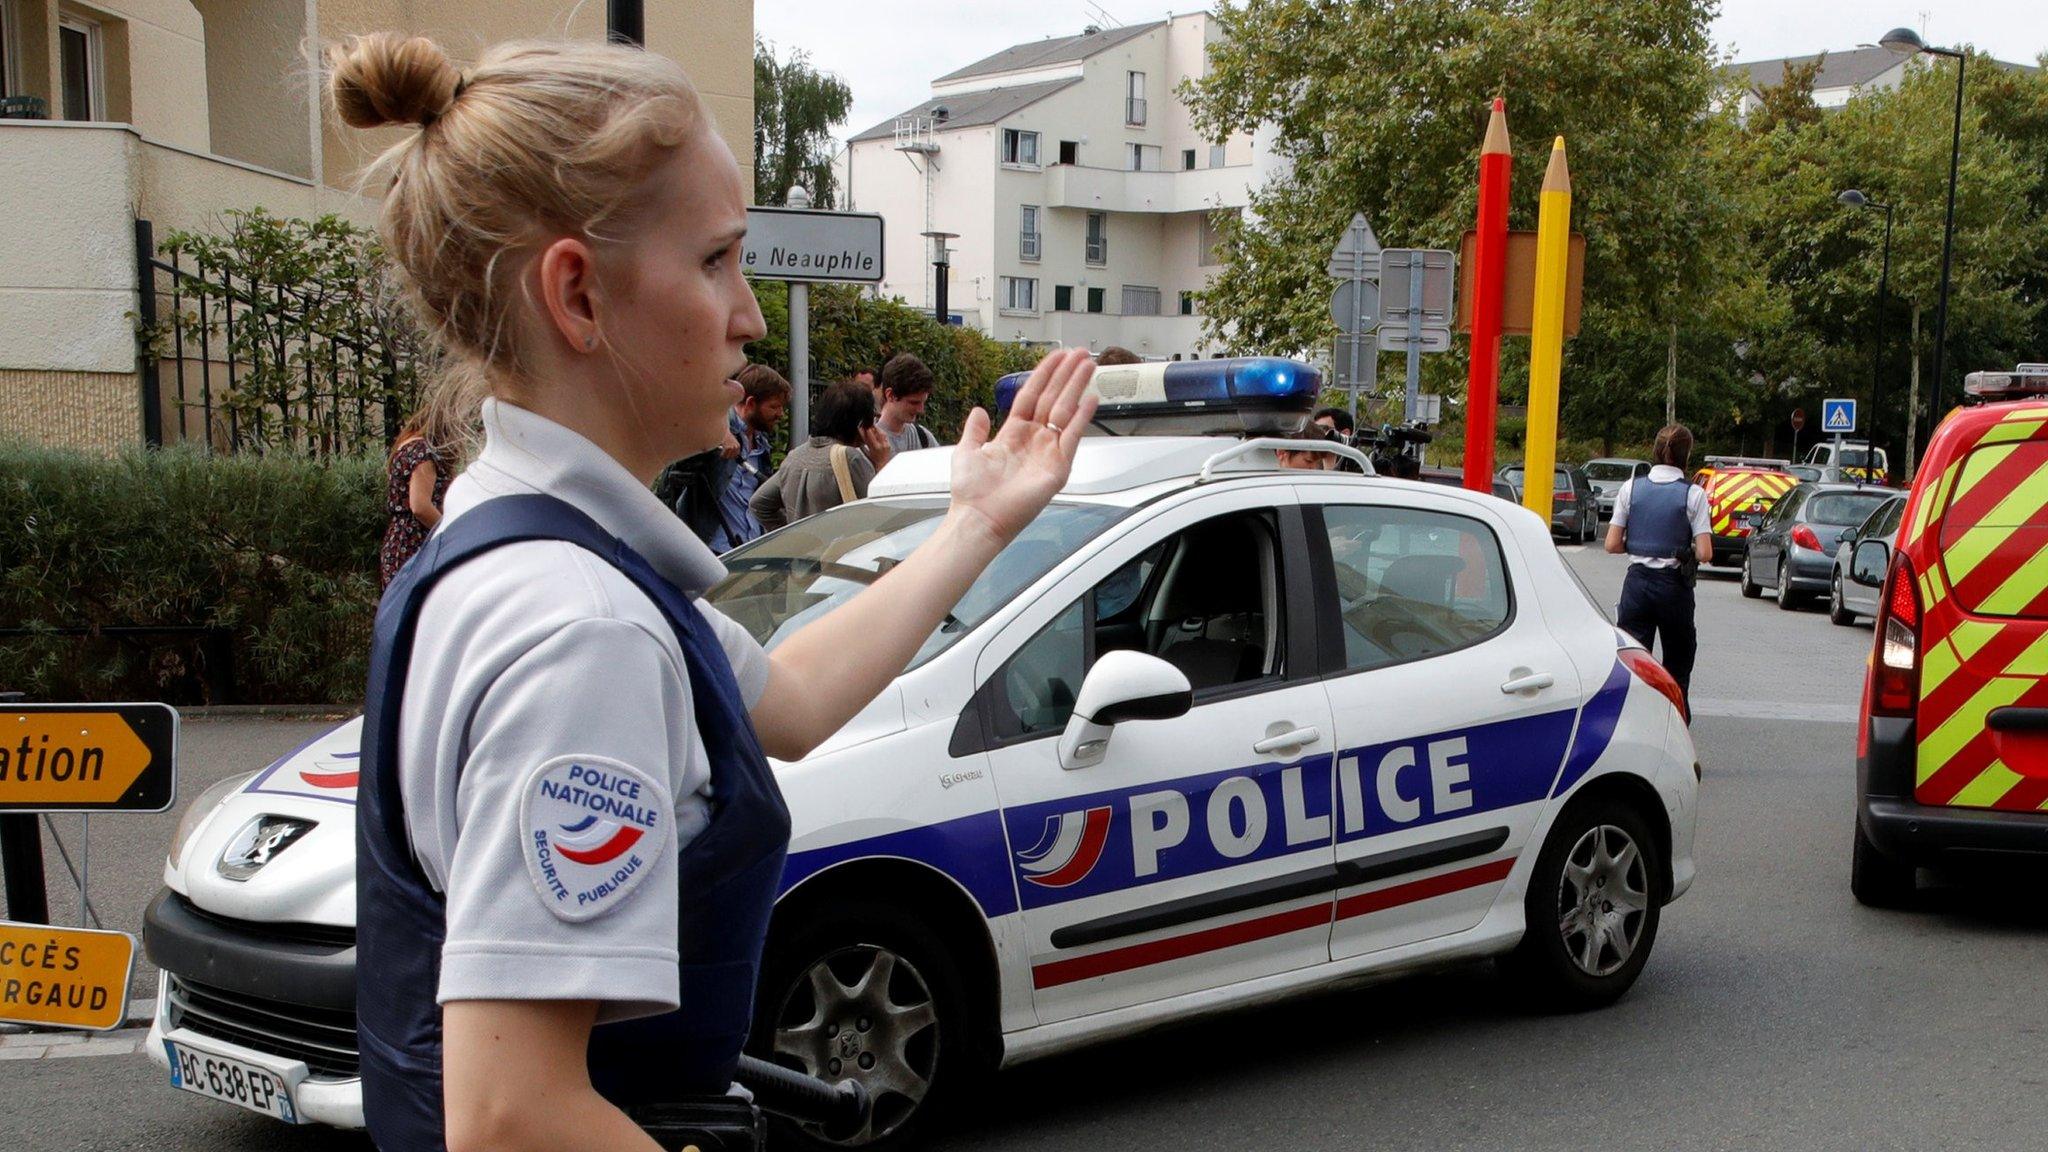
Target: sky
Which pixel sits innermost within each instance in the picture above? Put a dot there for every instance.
(889, 51)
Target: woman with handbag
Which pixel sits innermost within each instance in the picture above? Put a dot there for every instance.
(833, 467)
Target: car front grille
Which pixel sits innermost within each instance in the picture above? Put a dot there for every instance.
(324, 1038)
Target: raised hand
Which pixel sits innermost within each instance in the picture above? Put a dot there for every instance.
(1006, 479)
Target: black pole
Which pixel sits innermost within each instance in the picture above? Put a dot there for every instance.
(939, 294)
(21, 858)
(1948, 236)
(626, 22)
(145, 349)
(1877, 341)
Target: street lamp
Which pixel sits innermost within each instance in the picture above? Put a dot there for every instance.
(1855, 198)
(1907, 42)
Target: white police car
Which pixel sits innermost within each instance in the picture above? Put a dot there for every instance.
(1207, 734)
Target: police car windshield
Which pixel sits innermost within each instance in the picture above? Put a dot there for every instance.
(783, 581)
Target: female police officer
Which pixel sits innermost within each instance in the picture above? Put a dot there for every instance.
(1660, 521)
(567, 828)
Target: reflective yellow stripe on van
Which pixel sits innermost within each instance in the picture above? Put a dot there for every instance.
(1963, 725)
(1988, 788)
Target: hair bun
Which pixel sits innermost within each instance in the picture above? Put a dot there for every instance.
(384, 78)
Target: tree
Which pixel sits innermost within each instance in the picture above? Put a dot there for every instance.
(1790, 100)
(1379, 107)
(795, 107)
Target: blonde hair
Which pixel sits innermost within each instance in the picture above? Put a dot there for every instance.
(537, 139)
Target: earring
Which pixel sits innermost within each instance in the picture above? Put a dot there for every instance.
(590, 343)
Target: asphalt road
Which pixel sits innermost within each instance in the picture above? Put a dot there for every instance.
(1775, 1012)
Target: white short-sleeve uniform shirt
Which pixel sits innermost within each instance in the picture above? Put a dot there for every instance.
(531, 660)
(1696, 516)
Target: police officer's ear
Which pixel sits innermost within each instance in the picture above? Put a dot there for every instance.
(569, 292)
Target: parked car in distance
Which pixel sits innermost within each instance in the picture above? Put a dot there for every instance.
(1793, 550)
(1740, 489)
(1848, 599)
(1855, 461)
(1574, 511)
(1608, 474)
(1451, 478)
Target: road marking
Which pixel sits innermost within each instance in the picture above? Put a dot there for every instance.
(1776, 710)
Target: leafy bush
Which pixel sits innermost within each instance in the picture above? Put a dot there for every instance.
(850, 331)
(279, 552)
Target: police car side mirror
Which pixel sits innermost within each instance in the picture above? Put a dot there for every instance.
(1867, 565)
(1122, 686)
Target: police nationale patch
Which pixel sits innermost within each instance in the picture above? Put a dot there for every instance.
(594, 830)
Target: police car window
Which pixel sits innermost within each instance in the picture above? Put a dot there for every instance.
(1206, 601)
(784, 580)
(1413, 583)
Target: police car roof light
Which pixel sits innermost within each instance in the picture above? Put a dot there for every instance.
(1276, 444)
(1241, 394)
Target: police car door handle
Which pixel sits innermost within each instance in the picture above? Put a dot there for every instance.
(1293, 738)
(1532, 682)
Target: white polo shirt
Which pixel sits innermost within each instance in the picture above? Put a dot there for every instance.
(558, 690)
(1695, 511)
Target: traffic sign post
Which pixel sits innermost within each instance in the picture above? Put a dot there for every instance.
(1355, 308)
(804, 247)
(88, 757)
(1838, 419)
(1418, 282)
(64, 977)
(1838, 416)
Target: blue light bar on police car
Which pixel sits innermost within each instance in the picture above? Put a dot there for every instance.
(1200, 397)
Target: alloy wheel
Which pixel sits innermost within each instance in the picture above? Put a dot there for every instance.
(1604, 899)
(864, 1013)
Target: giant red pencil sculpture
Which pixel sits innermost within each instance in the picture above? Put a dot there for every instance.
(1489, 277)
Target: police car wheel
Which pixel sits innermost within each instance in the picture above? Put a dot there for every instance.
(1878, 880)
(1750, 588)
(1593, 906)
(865, 994)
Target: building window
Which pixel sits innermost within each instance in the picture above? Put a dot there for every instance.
(1187, 303)
(1209, 238)
(1219, 156)
(1187, 159)
(1134, 98)
(1095, 299)
(78, 49)
(1027, 237)
(1020, 147)
(1063, 298)
(1096, 251)
(1070, 152)
(1144, 158)
(1140, 301)
(1020, 294)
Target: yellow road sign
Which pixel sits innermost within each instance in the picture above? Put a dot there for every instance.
(70, 977)
(87, 757)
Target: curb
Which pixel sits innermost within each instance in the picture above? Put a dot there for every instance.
(270, 711)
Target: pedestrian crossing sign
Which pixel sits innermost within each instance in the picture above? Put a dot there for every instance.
(1838, 415)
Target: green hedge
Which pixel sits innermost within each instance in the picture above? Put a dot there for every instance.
(277, 551)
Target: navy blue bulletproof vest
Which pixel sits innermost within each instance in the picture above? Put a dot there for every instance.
(1657, 524)
(729, 874)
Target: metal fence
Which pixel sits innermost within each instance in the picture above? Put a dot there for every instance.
(240, 364)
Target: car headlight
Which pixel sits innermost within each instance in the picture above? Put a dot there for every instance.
(197, 812)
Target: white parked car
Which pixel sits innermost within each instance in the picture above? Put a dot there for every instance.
(1209, 733)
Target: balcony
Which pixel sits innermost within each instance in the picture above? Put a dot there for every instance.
(1134, 111)
(1117, 190)
(1028, 244)
(1096, 251)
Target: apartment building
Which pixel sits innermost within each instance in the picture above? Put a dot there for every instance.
(174, 111)
(1082, 198)
(1841, 75)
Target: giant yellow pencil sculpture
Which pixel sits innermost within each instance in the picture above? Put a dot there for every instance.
(1546, 331)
